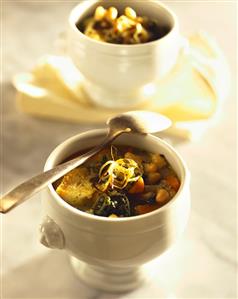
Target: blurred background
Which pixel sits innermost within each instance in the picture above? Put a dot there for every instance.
(203, 263)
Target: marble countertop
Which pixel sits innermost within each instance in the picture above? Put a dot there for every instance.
(202, 264)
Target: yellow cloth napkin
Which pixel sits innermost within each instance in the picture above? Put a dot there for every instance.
(191, 94)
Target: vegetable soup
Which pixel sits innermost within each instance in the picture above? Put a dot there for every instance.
(119, 181)
(107, 25)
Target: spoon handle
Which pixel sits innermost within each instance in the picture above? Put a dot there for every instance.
(36, 183)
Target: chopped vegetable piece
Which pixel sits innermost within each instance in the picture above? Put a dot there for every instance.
(150, 167)
(113, 216)
(115, 204)
(162, 196)
(130, 13)
(143, 209)
(99, 13)
(138, 186)
(173, 182)
(153, 178)
(147, 196)
(159, 160)
(103, 205)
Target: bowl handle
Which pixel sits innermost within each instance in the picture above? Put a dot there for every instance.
(51, 234)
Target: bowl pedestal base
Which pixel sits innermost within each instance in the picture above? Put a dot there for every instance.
(109, 279)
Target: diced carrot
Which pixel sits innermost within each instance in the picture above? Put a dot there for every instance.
(143, 209)
(173, 182)
(138, 186)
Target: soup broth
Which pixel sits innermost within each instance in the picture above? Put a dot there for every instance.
(107, 25)
(119, 181)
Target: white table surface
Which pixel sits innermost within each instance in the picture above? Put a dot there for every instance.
(202, 264)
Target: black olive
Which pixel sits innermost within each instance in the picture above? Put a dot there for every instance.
(103, 205)
(122, 205)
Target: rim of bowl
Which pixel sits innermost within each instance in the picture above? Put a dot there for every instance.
(185, 178)
(73, 17)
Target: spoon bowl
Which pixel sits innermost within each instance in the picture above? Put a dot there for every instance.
(141, 122)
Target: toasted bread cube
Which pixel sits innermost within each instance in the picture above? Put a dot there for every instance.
(76, 188)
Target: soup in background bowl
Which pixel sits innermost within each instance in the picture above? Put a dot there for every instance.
(111, 26)
(122, 75)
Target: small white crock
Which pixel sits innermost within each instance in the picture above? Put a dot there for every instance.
(121, 76)
(107, 253)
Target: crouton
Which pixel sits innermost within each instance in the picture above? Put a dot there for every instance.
(76, 188)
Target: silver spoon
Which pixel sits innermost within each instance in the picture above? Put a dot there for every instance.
(142, 122)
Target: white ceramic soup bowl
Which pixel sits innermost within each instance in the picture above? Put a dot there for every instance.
(106, 252)
(121, 76)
